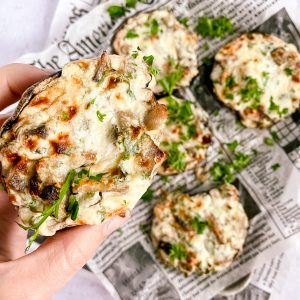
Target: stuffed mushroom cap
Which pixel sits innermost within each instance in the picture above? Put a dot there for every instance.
(258, 76)
(201, 233)
(186, 136)
(160, 34)
(80, 147)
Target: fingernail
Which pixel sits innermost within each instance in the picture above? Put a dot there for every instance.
(5, 116)
(49, 71)
(113, 224)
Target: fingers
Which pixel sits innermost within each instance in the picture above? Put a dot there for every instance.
(61, 256)
(15, 79)
(12, 237)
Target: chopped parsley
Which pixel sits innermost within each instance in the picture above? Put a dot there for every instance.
(230, 82)
(65, 115)
(131, 3)
(144, 228)
(224, 172)
(179, 112)
(241, 161)
(116, 11)
(275, 107)
(100, 116)
(232, 145)
(169, 82)
(154, 27)
(184, 22)
(73, 207)
(131, 34)
(53, 209)
(97, 177)
(214, 27)
(251, 91)
(288, 71)
(199, 225)
(151, 67)
(148, 195)
(176, 158)
(205, 46)
(275, 166)
(269, 141)
(275, 136)
(177, 251)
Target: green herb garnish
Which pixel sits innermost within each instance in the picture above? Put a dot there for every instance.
(148, 195)
(131, 3)
(116, 11)
(65, 115)
(275, 166)
(73, 207)
(275, 107)
(131, 34)
(269, 141)
(230, 82)
(241, 161)
(151, 67)
(97, 177)
(100, 116)
(144, 228)
(199, 225)
(214, 27)
(184, 22)
(176, 158)
(154, 27)
(288, 71)
(222, 172)
(177, 251)
(275, 136)
(205, 46)
(54, 208)
(232, 145)
(251, 91)
(169, 82)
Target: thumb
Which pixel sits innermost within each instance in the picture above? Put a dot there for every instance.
(49, 267)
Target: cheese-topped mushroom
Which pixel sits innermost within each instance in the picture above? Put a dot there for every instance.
(201, 233)
(158, 33)
(78, 150)
(258, 75)
(186, 136)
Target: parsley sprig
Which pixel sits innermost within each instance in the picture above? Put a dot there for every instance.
(214, 27)
(198, 225)
(169, 81)
(151, 67)
(222, 171)
(176, 158)
(178, 251)
(53, 209)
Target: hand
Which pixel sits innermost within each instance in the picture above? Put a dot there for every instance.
(39, 274)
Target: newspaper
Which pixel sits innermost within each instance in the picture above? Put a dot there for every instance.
(126, 261)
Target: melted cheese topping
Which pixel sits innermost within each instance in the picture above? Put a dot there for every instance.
(258, 76)
(172, 44)
(91, 118)
(192, 146)
(221, 239)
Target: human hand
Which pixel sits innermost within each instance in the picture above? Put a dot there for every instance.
(39, 274)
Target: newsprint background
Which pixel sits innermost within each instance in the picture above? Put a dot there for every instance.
(126, 261)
